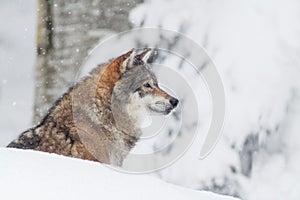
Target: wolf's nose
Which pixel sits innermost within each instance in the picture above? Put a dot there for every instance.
(174, 102)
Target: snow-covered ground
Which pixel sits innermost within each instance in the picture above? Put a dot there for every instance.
(35, 175)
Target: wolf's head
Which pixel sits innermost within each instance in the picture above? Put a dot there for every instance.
(137, 92)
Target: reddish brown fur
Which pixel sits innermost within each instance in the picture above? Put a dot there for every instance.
(159, 92)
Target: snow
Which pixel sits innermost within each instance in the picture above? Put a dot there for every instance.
(28, 174)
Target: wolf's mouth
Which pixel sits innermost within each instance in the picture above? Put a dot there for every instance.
(160, 108)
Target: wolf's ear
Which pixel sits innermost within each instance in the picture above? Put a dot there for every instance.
(128, 62)
(144, 55)
(134, 59)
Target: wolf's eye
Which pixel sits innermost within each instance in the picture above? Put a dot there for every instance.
(147, 85)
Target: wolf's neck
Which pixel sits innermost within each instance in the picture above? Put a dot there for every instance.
(114, 117)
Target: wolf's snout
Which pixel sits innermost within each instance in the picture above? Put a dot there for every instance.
(174, 102)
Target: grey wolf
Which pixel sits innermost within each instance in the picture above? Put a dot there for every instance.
(99, 118)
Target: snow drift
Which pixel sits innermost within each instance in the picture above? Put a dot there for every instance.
(35, 175)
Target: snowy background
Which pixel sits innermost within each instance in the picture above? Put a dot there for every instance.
(17, 58)
(256, 48)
